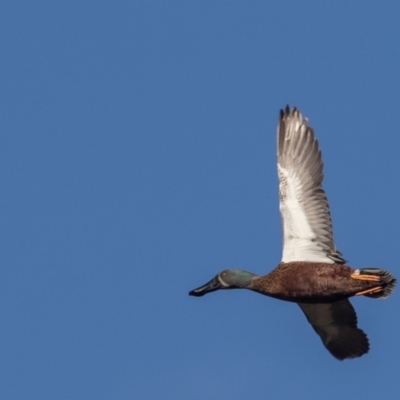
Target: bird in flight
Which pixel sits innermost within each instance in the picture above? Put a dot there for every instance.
(312, 272)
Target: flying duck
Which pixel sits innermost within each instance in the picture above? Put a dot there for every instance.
(312, 272)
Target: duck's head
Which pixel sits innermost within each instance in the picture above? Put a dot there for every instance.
(228, 279)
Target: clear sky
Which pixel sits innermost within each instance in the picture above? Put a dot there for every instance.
(137, 160)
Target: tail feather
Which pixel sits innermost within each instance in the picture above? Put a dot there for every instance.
(387, 282)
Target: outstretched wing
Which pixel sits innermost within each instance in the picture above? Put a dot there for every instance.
(306, 220)
(336, 324)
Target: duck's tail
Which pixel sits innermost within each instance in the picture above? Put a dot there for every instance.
(387, 282)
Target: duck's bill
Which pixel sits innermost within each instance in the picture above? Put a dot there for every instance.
(211, 286)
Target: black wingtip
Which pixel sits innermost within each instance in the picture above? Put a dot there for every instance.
(286, 110)
(351, 343)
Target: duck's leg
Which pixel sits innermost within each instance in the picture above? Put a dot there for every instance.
(367, 274)
(375, 289)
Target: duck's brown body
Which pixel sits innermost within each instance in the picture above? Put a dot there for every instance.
(308, 282)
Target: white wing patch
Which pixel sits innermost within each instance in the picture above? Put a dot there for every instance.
(299, 239)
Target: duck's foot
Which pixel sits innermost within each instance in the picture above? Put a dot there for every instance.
(376, 289)
(384, 279)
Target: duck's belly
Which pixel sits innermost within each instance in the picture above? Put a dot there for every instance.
(310, 282)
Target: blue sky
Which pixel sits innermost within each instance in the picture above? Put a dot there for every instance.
(137, 160)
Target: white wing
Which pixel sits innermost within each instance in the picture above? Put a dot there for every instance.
(306, 220)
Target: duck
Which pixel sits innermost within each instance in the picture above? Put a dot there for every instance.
(312, 272)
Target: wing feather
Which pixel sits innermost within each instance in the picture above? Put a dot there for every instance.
(336, 325)
(306, 220)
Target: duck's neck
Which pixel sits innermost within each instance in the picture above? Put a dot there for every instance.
(267, 285)
(240, 278)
